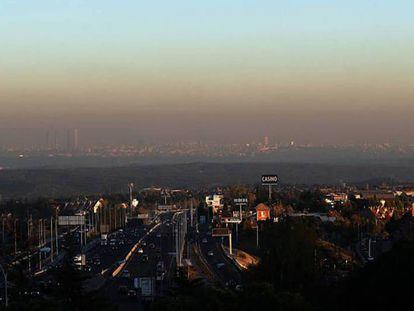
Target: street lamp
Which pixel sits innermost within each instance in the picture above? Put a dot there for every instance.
(15, 236)
(5, 285)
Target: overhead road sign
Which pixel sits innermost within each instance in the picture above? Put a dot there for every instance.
(240, 201)
(231, 220)
(219, 232)
(76, 220)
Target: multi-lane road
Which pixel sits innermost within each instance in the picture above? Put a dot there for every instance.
(223, 268)
(154, 247)
(148, 251)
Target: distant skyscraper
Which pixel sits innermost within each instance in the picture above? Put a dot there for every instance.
(72, 140)
(56, 146)
(266, 141)
(68, 140)
(47, 142)
(75, 139)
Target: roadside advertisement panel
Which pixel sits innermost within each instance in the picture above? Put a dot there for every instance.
(270, 179)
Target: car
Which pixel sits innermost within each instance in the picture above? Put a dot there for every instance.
(132, 293)
(143, 243)
(126, 274)
(210, 253)
(204, 240)
(144, 258)
(158, 235)
(220, 265)
(140, 251)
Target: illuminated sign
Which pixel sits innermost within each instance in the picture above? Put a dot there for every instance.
(270, 180)
(263, 215)
(240, 201)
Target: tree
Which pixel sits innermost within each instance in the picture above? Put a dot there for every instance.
(288, 259)
(383, 284)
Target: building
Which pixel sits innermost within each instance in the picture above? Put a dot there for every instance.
(266, 141)
(334, 198)
(375, 195)
(75, 139)
(215, 202)
(263, 212)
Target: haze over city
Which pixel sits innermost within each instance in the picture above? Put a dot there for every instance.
(226, 71)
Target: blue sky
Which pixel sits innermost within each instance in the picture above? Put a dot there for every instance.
(59, 28)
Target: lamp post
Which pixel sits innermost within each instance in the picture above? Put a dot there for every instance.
(56, 231)
(15, 236)
(5, 285)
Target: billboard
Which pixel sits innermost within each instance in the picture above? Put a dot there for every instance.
(263, 215)
(270, 179)
(219, 232)
(240, 201)
(231, 220)
(76, 220)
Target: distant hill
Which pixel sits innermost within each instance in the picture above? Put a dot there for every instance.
(60, 182)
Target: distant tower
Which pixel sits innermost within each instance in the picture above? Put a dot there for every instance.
(47, 146)
(55, 140)
(68, 140)
(266, 141)
(75, 139)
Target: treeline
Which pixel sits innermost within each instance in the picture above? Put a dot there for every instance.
(76, 181)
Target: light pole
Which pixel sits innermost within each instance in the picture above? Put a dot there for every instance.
(40, 243)
(56, 231)
(130, 186)
(3, 221)
(51, 238)
(270, 193)
(5, 285)
(15, 236)
(29, 236)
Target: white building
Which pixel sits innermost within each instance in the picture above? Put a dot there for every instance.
(215, 202)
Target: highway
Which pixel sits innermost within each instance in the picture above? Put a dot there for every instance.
(219, 263)
(137, 251)
(156, 245)
(104, 257)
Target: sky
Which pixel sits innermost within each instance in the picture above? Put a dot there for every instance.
(309, 70)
